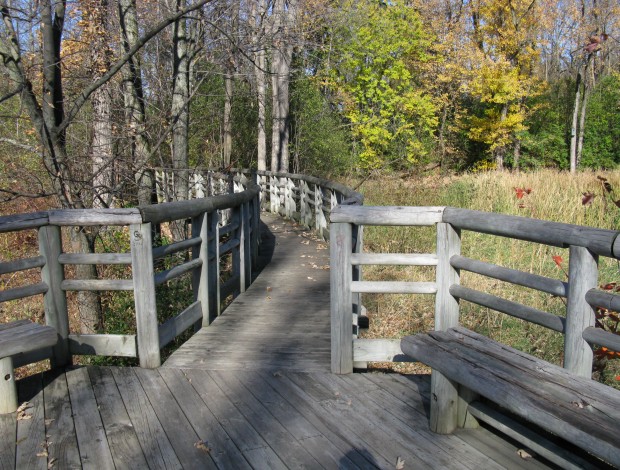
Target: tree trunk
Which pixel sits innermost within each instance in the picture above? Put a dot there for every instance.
(257, 13)
(582, 122)
(133, 96)
(89, 303)
(573, 128)
(501, 150)
(516, 156)
(227, 125)
(180, 114)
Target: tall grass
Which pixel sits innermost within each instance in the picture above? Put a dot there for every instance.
(545, 194)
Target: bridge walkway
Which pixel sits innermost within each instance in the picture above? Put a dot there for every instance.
(253, 390)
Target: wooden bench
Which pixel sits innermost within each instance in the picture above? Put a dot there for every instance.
(581, 411)
(17, 337)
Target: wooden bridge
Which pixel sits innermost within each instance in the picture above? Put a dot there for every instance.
(254, 386)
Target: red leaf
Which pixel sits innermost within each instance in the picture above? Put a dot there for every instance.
(587, 199)
(558, 260)
(520, 192)
(609, 286)
(528, 190)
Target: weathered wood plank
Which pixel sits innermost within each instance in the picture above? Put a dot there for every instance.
(541, 446)
(103, 345)
(180, 433)
(291, 452)
(31, 452)
(8, 434)
(306, 398)
(599, 241)
(224, 451)
(94, 217)
(22, 337)
(176, 247)
(23, 292)
(92, 442)
(62, 444)
(530, 314)
(582, 277)
(378, 350)
(173, 327)
(387, 215)
(12, 223)
(120, 432)
(155, 445)
(22, 264)
(401, 259)
(341, 299)
(94, 258)
(177, 271)
(55, 299)
(393, 287)
(598, 298)
(232, 420)
(97, 284)
(602, 338)
(533, 281)
(144, 295)
(524, 390)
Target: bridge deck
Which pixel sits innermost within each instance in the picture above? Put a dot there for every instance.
(249, 397)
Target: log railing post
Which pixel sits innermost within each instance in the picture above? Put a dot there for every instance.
(214, 266)
(341, 299)
(582, 276)
(200, 276)
(55, 299)
(144, 295)
(444, 392)
(255, 233)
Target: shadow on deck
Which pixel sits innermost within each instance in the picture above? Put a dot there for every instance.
(253, 390)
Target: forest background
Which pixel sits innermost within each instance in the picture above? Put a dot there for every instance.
(96, 92)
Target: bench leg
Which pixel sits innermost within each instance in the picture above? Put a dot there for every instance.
(8, 389)
(465, 418)
(444, 404)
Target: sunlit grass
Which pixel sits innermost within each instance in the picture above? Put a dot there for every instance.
(549, 195)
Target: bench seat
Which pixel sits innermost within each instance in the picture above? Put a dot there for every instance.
(583, 412)
(17, 337)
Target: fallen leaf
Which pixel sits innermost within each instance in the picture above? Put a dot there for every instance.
(269, 289)
(203, 445)
(277, 374)
(51, 463)
(587, 199)
(400, 463)
(524, 454)
(48, 422)
(43, 453)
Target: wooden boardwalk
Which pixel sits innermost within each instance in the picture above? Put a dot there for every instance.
(251, 391)
(282, 322)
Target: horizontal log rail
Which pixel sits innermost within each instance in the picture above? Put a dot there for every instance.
(581, 291)
(224, 211)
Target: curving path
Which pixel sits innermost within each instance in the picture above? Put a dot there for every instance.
(253, 390)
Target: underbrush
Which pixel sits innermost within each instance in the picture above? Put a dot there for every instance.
(582, 199)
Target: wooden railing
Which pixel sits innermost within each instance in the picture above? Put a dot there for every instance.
(210, 240)
(224, 213)
(584, 244)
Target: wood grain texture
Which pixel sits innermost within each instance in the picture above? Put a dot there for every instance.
(22, 337)
(530, 314)
(94, 258)
(533, 281)
(22, 264)
(341, 300)
(393, 287)
(401, 259)
(582, 277)
(387, 215)
(94, 448)
(94, 217)
(23, 292)
(103, 345)
(11, 223)
(583, 412)
(599, 241)
(144, 295)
